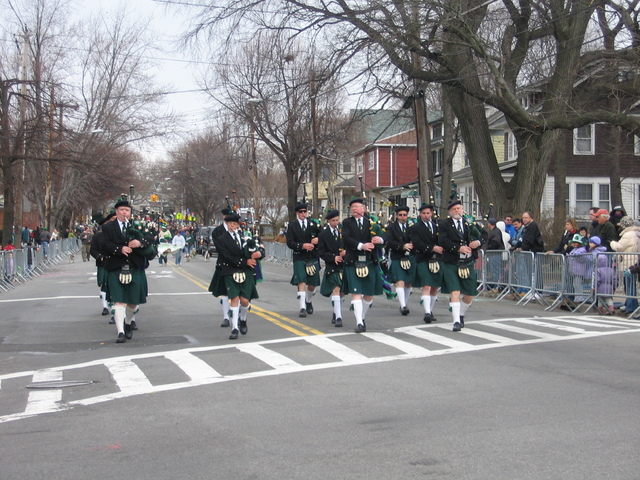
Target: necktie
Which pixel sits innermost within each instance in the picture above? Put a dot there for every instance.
(235, 235)
(335, 234)
(360, 223)
(460, 226)
(124, 227)
(304, 225)
(430, 227)
(403, 228)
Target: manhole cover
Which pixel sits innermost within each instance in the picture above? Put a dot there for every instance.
(59, 384)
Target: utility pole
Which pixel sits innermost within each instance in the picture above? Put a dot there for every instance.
(314, 151)
(20, 165)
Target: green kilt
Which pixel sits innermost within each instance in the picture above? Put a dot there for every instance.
(300, 273)
(134, 293)
(452, 282)
(425, 277)
(217, 286)
(329, 282)
(102, 278)
(399, 274)
(369, 285)
(246, 289)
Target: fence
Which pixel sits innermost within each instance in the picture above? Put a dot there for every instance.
(20, 265)
(586, 281)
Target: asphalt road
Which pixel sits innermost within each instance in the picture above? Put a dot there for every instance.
(520, 393)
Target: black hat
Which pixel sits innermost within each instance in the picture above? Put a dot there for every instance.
(426, 205)
(225, 211)
(122, 203)
(402, 208)
(107, 218)
(492, 221)
(453, 204)
(356, 200)
(232, 217)
(332, 214)
(300, 206)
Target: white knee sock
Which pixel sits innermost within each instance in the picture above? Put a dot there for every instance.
(426, 303)
(365, 307)
(224, 300)
(401, 299)
(243, 312)
(357, 310)
(129, 314)
(103, 299)
(234, 317)
(433, 301)
(337, 305)
(464, 307)
(455, 311)
(309, 295)
(118, 316)
(301, 300)
(407, 293)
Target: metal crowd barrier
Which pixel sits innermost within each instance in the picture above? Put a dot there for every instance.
(20, 265)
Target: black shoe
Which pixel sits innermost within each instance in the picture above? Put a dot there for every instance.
(112, 321)
(456, 327)
(428, 318)
(404, 311)
(333, 318)
(121, 338)
(243, 327)
(134, 325)
(234, 334)
(303, 313)
(225, 323)
(361, 328)
(128, 332)
(338, 322)
(105, 311)
(461, 321)
(309, 308)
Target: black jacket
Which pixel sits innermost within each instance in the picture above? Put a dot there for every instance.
(395, 240)
(329, 248)
(231, 257)
(352, 236)
(111, 241)
(423, 240)
(296, 238)
(451, 240)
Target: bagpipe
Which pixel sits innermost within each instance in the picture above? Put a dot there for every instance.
(141, 230)
(380, 259)
(251, 245)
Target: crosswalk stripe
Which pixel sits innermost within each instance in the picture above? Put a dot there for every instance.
(406, 347)
(555, 326)
(41, 401)
(336, 349)
(485, 335)
(434, 337)
(196, 369)
(587, 323)
(271, 358)
(128, 376)
(523, 331)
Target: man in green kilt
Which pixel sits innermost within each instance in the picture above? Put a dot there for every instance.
(403, 264)
(424, 236)
(302, 238)
(94, 251)
(237, 274)
(125, 263)
(459, 254)
(331, 251)
(215, 285)
(360, 279)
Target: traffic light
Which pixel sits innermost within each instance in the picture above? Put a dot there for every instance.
(154, 198)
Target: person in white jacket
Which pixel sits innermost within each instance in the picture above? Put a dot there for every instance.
(179, 241)
(629, 243)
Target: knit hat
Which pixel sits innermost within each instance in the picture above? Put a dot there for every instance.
(626, 222)
(577, 238)
(595, 241)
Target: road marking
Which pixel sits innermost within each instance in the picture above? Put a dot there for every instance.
(131, 380)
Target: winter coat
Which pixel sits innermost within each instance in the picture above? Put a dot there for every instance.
(607, 280)
(580, 263)
(629, 243)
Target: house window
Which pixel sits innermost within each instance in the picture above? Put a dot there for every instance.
(346, 166)
(567, 197)
(371, 164)
(603, 196)
(636, 145)
(584, 140)
(584, 198)
(467, 160)
(359, 166)
(436, 131)
(512, 147)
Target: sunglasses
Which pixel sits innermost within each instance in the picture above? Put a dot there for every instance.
(401, 214)
(302, 211)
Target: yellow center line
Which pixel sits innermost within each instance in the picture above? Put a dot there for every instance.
(273, 317)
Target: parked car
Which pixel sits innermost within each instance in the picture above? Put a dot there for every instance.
(204, 242)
